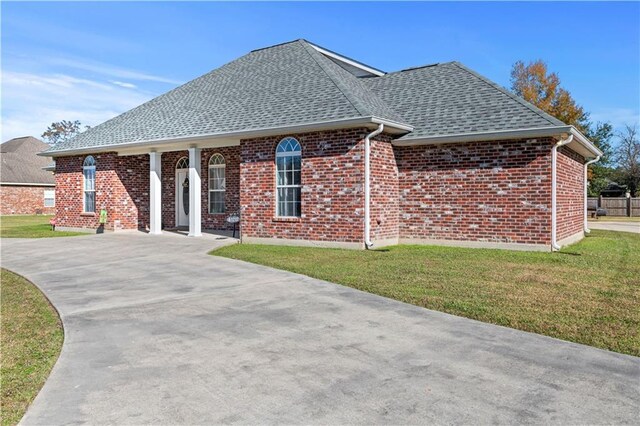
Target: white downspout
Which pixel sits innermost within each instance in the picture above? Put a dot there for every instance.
(586, 166)
(367, 185)
(554, 161)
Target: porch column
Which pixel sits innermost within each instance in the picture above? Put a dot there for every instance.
(155, 193)
(195, 193)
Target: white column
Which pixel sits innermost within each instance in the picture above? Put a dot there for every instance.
(155, 193)
(195, 193)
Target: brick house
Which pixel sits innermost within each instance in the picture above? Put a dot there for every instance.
(25, 187)
(313, 148)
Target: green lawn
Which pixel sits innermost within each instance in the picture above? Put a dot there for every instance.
(588, 293)
(31, 340)
(33, 226)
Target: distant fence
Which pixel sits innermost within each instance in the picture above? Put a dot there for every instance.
(616, 206)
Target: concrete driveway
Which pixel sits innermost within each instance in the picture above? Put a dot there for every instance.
(616, 226)
(158, 332)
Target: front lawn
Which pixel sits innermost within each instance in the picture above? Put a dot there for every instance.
(31, 341)
(33, 226)
(588, 293)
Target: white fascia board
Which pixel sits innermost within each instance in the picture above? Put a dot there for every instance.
(346, 60)
(554, 131)
(582, 139)
(233, 138)
(26, 184)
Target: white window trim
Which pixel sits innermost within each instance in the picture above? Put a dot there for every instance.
(297, 153)
(84, 186)
(222, 165)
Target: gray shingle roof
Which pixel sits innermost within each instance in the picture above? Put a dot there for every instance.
(294, 84)
(21, 164)
(283, 85)
(450, 99)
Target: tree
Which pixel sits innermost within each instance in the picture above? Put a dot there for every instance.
(627, 158)
(600, 173)
(536, 85)
(61, 131)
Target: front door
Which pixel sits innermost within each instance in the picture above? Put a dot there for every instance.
(182, 197)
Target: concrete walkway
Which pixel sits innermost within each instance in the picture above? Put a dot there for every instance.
(158, 332)
(616, 226)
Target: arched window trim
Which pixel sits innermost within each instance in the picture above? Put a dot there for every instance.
(89, 185)
(288, 178)
(183, 163)
(217, 184)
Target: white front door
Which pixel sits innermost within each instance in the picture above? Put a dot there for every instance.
(182, 197)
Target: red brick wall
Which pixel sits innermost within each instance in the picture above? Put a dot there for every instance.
(24, 200)
(481, 191)
(569, 193)
(231, 156)
(332, 188)
(385, 203)
(122, 188)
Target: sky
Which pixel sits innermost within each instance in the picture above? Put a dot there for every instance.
(93, 61)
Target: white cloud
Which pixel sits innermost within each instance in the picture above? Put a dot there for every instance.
(618, 117)
(109, 70)
(31, 102)
(123, 84)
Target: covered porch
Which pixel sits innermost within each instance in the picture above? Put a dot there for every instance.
(194, 191)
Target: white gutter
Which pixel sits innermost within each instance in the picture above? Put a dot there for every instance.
(26, 184)
(586, 166)
(536, 132)
(240, 134)
(367, 185)
(554, 173)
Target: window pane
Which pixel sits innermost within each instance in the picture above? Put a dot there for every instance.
(89, 202)
(216, 201)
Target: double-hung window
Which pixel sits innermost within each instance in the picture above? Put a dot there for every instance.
(288, 178)
(49, 198)
(89, 185)
(217, 184)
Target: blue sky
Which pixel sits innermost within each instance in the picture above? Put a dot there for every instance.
(92, 61)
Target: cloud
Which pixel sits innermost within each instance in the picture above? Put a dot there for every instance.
(109, 70)
(618, 117)
(31, 102)
(123, 84)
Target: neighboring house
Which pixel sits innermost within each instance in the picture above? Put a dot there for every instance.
(25, 188)
(314, 148)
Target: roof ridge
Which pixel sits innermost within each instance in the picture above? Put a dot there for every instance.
(551, 119)
(341, 87)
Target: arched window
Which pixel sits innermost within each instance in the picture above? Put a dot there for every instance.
(183, 163)
(89, 186)
(288, 177)
(217, 184)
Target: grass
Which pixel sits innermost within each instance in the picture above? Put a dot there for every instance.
(33, 226)
(588, 293)
(615, 219)
(31, 340)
